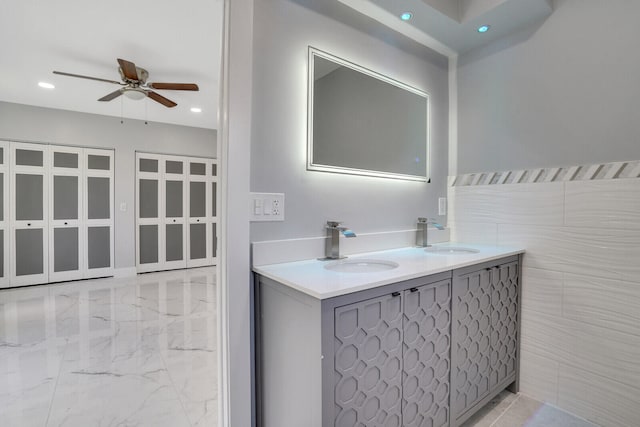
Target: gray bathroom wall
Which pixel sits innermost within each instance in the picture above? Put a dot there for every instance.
(36, 124)
(564, 92)
(283, 31)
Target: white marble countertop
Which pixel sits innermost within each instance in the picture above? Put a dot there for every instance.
(311, 278)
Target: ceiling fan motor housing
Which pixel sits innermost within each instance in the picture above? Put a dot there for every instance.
(143, 75)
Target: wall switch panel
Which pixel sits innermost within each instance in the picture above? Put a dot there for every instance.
(442, 206)
(267, 207)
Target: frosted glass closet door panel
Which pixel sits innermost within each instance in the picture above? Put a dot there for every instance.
(198, 241)
(29, 252)
(148, 243)
(4, 214)
(66, 252)
(197, 200)
(29, 213)
(3, 252)
(29, 197)
(98, 197)
(66, 240)
(66, 197)
(174, 234)
(98, 213)
(99, 248)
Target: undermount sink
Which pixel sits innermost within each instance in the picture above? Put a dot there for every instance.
(450, 250)
(361, 266)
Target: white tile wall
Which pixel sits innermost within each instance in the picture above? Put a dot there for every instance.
(581, 285)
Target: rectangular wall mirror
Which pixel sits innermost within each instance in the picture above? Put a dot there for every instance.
(361, 122)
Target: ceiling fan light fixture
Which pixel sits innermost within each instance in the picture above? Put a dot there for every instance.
(134, 93)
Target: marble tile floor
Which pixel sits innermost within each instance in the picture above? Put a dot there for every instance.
(137, 351)
(517, 410)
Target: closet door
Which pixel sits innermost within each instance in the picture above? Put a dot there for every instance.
(213, 166)
(4, 214)
(173, 210)
(199, 206)
(66, 236)
(29, 228)
(98, 212)
(149, 230)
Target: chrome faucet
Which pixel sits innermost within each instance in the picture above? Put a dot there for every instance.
(421, 236)
(332, 245)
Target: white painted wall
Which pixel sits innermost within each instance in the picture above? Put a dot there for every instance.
(236, 398)
(36, 124)
(564, 92)
(283, 30)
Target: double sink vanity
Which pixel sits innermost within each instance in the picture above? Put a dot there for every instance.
(406, 337)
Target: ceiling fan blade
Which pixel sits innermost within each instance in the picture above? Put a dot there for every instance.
(128, 69)
(87, 77)
(174, 86)
(112, 95)
(161, 99)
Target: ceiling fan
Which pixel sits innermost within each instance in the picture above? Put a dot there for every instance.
(134, 84)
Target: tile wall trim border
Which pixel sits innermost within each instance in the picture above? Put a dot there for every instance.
(594, 172)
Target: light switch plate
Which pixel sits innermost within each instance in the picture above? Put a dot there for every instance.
(267, 207)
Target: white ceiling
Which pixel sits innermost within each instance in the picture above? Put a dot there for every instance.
(454, 23)
(179, 42)
(176, 41)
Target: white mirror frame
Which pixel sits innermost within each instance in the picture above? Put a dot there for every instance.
(313, 53)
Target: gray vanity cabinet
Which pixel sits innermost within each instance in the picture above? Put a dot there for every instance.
(485, 334)
(392, 359)
(429, 351)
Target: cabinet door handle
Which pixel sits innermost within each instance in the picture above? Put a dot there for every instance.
(66, 223)
(414, 289)
(174, 220)
(395, 294)
(28, 224)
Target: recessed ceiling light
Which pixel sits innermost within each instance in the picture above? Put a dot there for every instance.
(406, 16)
(196, 110)
(46, 85)
(483, 28)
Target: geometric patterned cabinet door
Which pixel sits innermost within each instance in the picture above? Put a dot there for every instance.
(427, 338)
(504, 322)
(471, 324)
(368, 363)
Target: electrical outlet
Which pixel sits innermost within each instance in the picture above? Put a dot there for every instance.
(442, 206)
(267, 207)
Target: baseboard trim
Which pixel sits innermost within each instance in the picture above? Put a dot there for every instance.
(124, 272)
